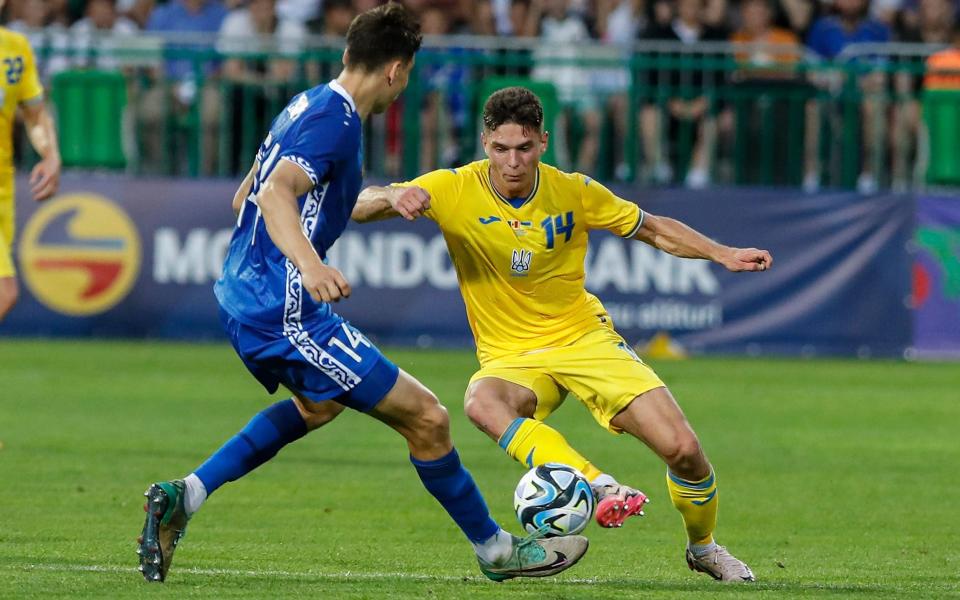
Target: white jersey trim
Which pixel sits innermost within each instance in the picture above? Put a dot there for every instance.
(335, 86)
(293, 304)
(636, 227)
(304, 166)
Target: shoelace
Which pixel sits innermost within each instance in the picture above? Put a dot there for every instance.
(529, 544)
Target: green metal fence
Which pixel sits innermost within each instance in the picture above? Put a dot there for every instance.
(655, 113)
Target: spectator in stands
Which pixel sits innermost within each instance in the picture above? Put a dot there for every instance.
(443, 112)
(562, 33)
(828, 37)
(97, 38)
(766, 77)
(337, 15)
(934, 25)
(256, 29)
(306, 12)
(257, 87)
(176, 89)
(715, 14)
(943, 67)
(766, 53)
(849, 25)
(618, 23)
(885, 11)
(482, 20)
(60, 13)
(660, 15)
(45, 30)
(907, 21)
(694, 107)
(334, 22)
(457, 12)
(137, 11)
(772, 52)
(796, 15)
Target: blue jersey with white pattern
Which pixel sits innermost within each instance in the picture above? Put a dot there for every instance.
(320, 132)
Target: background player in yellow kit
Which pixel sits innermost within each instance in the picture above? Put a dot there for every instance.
(517, 230)
(20, 86)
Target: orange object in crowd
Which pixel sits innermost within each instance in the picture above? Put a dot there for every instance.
(943, 70)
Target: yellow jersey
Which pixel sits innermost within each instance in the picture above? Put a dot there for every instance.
(520, 261)
(19, 83)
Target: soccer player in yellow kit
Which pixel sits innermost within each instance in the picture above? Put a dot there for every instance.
(20, 86)
(517, 230)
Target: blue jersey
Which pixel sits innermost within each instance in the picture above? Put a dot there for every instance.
(320, 132)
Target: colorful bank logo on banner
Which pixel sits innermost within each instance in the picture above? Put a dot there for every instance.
(942, 247)
(936, 278)
(80, 254)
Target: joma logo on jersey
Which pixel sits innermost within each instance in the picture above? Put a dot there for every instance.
(520, 262)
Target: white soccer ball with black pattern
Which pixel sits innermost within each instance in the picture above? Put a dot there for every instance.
(554, 497)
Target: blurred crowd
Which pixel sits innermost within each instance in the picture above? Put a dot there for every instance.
(813, 22)
(559, 29)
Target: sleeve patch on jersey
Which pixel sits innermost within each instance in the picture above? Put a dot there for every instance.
(636, 227)
(304, 166)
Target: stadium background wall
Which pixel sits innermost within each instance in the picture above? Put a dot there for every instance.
(117, 256)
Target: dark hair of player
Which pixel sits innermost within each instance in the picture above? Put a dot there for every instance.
(513, 105)
(381, 35)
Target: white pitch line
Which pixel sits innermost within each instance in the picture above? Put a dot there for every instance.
(65, 568)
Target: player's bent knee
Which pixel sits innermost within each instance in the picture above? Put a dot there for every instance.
(684, 456)
(476, 406)
(434, 422)
(428, 431)
(491, 408)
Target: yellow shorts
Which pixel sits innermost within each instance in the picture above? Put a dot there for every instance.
(600, 369)
(7, 268)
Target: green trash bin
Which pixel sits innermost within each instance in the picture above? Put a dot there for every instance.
(545, 90)
(941, 113)
(90, 110)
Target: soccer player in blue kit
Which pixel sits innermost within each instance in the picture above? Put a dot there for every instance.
(275, 296)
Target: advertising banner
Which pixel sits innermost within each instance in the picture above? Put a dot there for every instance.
(936, 278)
(133, 257)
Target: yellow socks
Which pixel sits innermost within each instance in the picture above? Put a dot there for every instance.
(533, 443)
(697, 502)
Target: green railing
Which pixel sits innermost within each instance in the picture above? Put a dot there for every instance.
(784, 120)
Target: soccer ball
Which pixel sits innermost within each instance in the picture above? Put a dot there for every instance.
(554, 497)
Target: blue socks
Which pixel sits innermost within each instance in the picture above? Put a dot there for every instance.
(278, 425)
(266, 433)
(451, 484)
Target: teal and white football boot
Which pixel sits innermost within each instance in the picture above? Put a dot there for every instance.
(535, 556)
(165, 524)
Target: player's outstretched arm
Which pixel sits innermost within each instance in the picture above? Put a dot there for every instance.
(682, 240)
(379, 203)
(277, 200)
(45, 176)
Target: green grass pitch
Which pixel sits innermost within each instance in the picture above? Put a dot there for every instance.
(837, 479)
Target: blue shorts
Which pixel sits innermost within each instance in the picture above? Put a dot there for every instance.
(329, 360)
